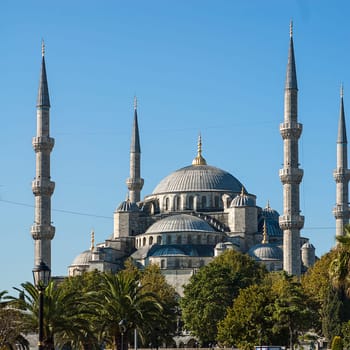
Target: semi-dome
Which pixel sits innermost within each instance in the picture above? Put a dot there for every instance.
(266, 251)
(198, 178)
(307, 245)
(127, 206)
(82, 259)
(180, 223)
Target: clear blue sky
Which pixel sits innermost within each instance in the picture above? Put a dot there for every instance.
(215, 67)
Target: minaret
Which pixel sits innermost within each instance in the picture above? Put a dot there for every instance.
(135, 182)
(291, 222)
(42, 231)
(341, 174)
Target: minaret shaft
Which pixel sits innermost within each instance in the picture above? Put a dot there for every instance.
(342, 175)
(291, 222)
(42, 231)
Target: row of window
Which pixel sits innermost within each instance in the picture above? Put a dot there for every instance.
(181, 203)
(178, 239)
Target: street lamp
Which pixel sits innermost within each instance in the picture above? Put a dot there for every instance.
(41, 276)
(122, 326)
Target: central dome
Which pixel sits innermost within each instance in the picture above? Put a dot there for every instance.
(195, 178)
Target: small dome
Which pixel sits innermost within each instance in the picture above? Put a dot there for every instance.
(266, 252)
(269, 213)
(196, 178)
(180, 223)
(242, 200)
(308, 245)
(220, 246)
(82, 259)
(128, 206)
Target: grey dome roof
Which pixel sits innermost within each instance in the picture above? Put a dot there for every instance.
(128, 206)
(242, 201)
(82, 259)
(269, 213)
(266, 252)
(180, 223)
(307, 245)
(198, 178)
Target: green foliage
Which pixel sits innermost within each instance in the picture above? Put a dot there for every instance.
(340, 266)
(248, 322)
(291, 310)
(213, 288)
(346, 335)
(122, 297)
(337, 343)
(274, 312)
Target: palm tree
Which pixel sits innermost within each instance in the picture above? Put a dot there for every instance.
(340, 266)
(65, 314)
(124, 306)
(11, 325)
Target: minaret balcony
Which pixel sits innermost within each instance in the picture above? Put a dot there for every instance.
(291, 175)
(341, 211)
(291, 130)
(134, 184)
(43, 143)
(43, 187)
(43, 231)
(288, 222)
(341, 175)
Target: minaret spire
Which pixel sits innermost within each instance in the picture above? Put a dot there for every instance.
(291, 222)
(341, 174)
(135, 182)
(42, 231)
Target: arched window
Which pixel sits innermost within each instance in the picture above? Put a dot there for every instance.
(144, 241)
(190, 202)
(178, 240)
(216, 202)
(167, 204)
(150, 240)
(168, 239)
(208, 239)
(162, 264)
(159, 239)
(198, 239)
(204, 202)
(189, 239)
(177, 203)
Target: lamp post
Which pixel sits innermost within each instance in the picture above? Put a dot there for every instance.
(122, 326)
(41, 276)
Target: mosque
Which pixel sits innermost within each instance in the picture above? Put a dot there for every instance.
(196, 212)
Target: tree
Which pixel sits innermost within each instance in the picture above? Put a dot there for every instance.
(340, 267)
(291, 311)
(125, 306)
(163, 330)
(63, 313)
(248, 321)
(11, 326)
(326, 300)
(213, 288)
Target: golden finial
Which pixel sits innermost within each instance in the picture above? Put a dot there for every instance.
(265, 239)
(135, 103)
(268, 205)
(92, 247)
(42, 48)
(199, 160)
(341, 90)
(291, 28)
